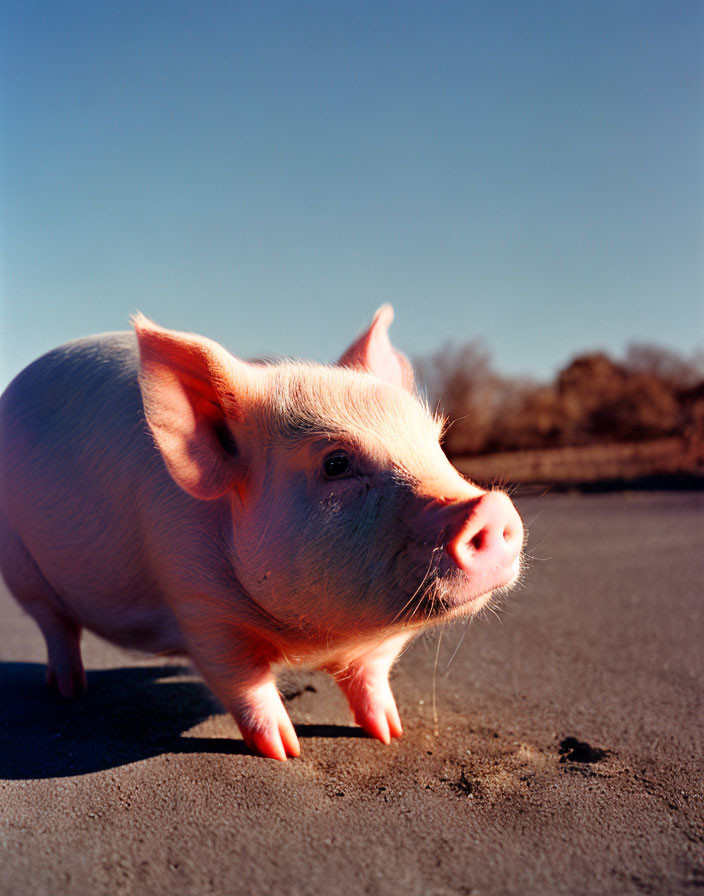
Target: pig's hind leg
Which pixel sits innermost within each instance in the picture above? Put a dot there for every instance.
(65, 672)
(364, 680)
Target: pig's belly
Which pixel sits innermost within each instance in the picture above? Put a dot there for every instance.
(137, 620)
(131, 616)
(113, 594)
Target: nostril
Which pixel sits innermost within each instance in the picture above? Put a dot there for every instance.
(513, 534)
(491, 537)
(479, 541)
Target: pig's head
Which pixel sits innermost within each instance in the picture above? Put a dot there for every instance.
(346, 515)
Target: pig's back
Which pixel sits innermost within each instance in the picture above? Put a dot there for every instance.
(71, 398)
(78, 470)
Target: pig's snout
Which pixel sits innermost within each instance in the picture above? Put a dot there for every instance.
(487, 543)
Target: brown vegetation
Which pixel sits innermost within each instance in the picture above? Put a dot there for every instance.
(600, 419)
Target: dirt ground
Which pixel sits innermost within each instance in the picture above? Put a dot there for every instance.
(555, 747)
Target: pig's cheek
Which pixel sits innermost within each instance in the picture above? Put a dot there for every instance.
(269, 553)
(361, 557)
(312, 555)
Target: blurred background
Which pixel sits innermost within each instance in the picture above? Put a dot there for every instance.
(523, 182)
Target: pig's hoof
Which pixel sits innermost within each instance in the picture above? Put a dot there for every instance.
(374, 707)
(265, 725)
(382, 722)
(68, 680)
(273, 743)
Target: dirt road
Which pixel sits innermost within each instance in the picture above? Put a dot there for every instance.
(563, 754)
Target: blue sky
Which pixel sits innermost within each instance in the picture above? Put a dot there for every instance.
(269, 173)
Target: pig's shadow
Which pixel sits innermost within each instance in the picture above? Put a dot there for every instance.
(127, 714)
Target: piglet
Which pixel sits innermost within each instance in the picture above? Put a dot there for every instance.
(171, 497)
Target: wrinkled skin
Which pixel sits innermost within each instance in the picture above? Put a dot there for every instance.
(173, 498)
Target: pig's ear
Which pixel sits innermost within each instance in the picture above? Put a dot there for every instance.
(193, 391)
(373, 352)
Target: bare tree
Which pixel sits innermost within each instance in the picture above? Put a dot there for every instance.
(595, 399)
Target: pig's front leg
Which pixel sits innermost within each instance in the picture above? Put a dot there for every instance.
(365, 682)
(237, 669)
(263, 721)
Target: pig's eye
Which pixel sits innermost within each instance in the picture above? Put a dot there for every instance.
(337, 464)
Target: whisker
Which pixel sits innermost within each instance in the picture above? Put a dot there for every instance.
(490, 609)
(536, 559)
(418, 604)
(422, 583)
(459, 644)
(436, 726)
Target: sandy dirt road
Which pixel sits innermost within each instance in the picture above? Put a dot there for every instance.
(566, 755)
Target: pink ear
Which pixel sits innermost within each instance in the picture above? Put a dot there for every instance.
(373, 352)
(193, 392)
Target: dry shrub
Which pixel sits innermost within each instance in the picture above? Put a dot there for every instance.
(653, 393)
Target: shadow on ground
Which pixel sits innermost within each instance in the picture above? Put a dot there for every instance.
(127, 714)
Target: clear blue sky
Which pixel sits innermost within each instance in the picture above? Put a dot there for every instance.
(268, 173)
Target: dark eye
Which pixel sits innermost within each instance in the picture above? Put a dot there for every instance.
(337, 464)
